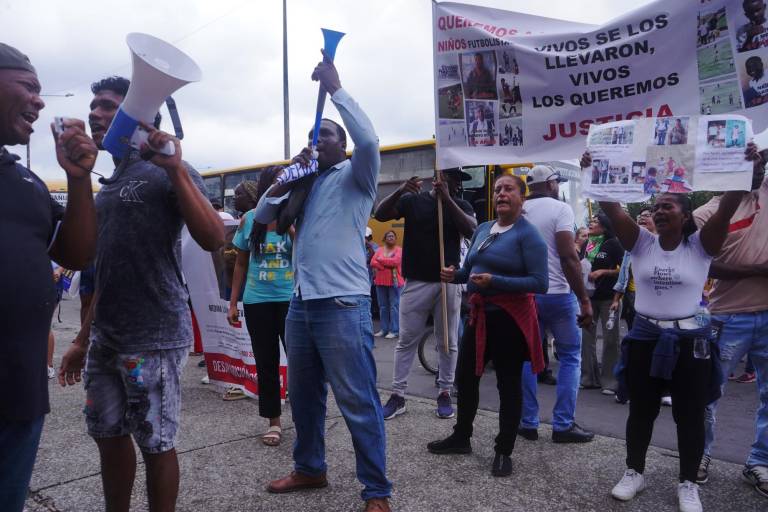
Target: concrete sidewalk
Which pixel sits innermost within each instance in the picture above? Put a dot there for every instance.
(225, 467)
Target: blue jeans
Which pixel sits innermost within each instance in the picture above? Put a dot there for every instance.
(557, 312)
(18, 449)
(744, 333)
(389, 308)
(331, 340)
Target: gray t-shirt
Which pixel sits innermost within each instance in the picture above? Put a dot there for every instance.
(141, 298)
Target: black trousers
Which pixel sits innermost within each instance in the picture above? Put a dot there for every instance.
(266, 326)
(689, 387)
(505, 346)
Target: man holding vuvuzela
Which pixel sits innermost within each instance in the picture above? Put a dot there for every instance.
(328, 331)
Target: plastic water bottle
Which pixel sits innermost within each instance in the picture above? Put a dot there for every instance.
(701, 343)
(611, 320)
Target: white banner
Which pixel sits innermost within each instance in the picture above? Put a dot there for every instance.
(512, 88)
(632, 160)
(228, 352)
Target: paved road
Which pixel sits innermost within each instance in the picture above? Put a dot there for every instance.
(224, 466)
(736, 411)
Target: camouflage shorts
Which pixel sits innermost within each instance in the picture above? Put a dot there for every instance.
(134, 393)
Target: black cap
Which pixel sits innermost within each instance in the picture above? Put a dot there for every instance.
(11, 58)
(456, 171)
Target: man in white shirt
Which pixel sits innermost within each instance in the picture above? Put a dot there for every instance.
(558, 309)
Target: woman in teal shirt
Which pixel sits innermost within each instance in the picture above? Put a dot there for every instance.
(264, 263)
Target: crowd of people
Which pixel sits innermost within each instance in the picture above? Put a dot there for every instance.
(527, 275)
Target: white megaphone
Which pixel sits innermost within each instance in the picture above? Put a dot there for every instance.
(159, 69)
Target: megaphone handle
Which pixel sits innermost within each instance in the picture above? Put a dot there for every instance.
(141, 136)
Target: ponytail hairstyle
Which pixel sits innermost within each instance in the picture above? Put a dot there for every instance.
(258, 230)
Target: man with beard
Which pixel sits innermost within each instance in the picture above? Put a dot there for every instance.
(138, 331)
(34, 228)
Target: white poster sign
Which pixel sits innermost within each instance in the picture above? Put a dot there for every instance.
(513, 88)
(632, 160)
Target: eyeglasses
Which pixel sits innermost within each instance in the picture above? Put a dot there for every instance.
(643, 216)
(487, 242)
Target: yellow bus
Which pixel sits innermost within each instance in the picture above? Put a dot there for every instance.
(58, 190)
(398, 163)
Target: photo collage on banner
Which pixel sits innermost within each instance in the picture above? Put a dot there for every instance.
(719, 90)
(752, 52)
(633, 160)
(479, 101)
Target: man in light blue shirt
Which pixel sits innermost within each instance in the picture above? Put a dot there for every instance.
(329, 332)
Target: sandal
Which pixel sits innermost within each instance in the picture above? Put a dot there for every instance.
(272, 436)
(234, 394)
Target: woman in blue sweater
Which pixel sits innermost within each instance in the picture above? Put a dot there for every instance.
(506, 264)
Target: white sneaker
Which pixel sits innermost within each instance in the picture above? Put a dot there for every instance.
(666, 400)
(390, 336)
(630, 484)
(51, 372)
(379, 334)
(688, 497)
(205, 380)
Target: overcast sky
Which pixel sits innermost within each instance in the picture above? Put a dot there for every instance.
(234, 116)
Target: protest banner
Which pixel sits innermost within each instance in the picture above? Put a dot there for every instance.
(513, 88)
(633, 160)
(227, 349)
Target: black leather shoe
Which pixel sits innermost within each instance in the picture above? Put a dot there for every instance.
(575, 434)
(530, 434)
(547, 378)
(451, 444)
(502, 465)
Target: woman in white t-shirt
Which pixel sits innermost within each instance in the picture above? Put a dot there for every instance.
(670, 269)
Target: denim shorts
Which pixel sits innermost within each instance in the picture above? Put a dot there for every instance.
(134, 393)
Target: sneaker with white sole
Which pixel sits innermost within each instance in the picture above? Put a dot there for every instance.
(758, 477)
(702, 475)
(688, 497)
(666, 401)
(378, 334)
(395, 406)
(390, 336)
(630, 484)
(444, 407)
(205, 380)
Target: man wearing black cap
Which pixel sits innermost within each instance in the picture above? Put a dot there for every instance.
(421, 269)
(561, 310)
(33, 229)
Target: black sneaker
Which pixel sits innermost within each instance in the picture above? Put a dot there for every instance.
(758, 477)
(547, 378)
(531, 434)
(502, 465)
(451, 444)
(702, 474)
(575, 434)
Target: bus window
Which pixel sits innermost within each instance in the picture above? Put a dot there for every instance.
(399, 166)
(213, 188)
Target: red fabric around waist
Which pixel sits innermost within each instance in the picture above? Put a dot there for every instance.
(522, 309)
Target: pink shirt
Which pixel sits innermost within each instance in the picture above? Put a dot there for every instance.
(388, 267)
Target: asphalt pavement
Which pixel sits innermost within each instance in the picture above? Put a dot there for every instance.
(225, 467)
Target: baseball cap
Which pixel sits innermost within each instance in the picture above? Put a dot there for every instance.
(457, 171)
(368, 232)
(11, 58)
(543, 173)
